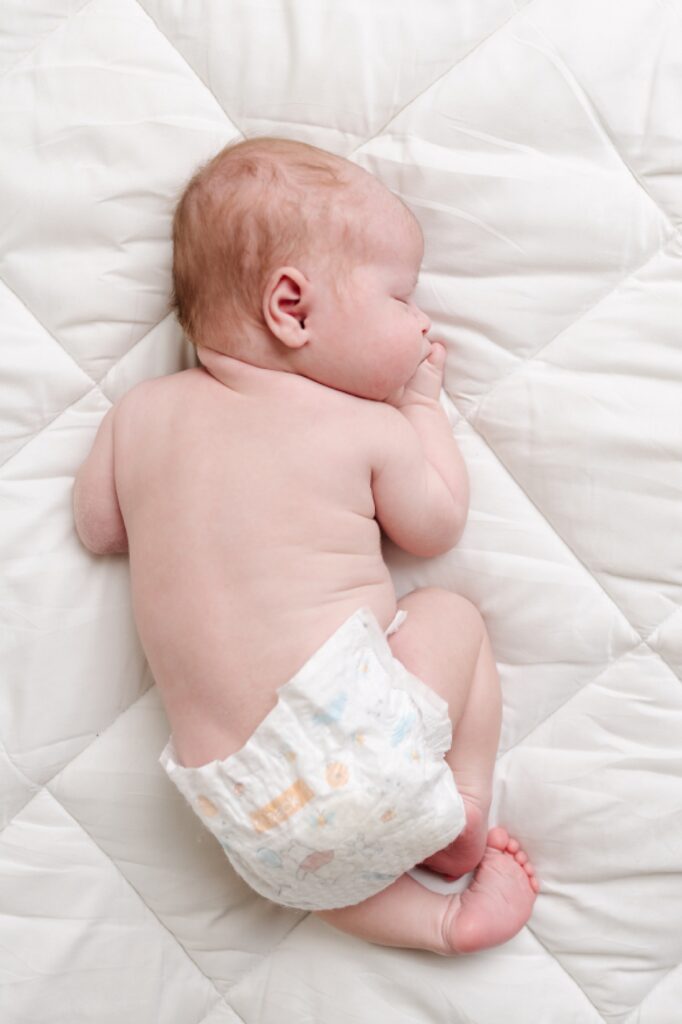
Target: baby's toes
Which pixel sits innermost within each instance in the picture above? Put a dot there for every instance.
(521, 857)
(530, 872)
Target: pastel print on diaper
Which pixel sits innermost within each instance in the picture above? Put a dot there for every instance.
(206, 806)
(402, 728)
(282, 807)
(334, 710)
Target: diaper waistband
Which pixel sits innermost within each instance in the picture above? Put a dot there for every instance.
(361, 626)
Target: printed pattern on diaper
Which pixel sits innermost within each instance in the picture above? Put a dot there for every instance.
(337, 774)
(282, 807)
(207, 806)
(317, 860)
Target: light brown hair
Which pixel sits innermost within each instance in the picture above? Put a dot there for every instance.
(256, 205)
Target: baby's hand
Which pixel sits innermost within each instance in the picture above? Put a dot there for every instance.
(423, 388)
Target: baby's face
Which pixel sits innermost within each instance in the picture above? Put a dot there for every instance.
(375, 334)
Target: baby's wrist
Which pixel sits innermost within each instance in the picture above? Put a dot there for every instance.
(415, 402)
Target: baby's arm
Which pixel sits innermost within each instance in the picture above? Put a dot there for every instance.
(97, 514)
(421, 487)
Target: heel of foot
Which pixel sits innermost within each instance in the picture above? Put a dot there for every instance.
(498, 901)
(466, 851)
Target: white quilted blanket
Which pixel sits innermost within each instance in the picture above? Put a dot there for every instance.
(540, 146)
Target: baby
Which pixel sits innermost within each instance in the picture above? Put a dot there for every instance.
(329, 736)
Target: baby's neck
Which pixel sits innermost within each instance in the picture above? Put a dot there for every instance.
(235, 372)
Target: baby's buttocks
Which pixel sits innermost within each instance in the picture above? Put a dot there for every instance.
(342, 787)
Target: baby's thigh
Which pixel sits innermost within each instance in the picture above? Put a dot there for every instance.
(439, 642)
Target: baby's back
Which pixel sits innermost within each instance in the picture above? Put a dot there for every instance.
(252, 537)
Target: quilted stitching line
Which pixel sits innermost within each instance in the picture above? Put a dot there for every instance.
(551, 525)
(228, 116)
(566, 972)
(46, 784)
(46, 329)
(661, 624)
(111, 860)
(590, 109)
(228, 1006)
(38, 433)
(444, 74)
(564, 704)
(636, 1009)
(642, 640)
(48, 35)
(33, 791)
(658, 654)
(633, 1009)
(274, 949)
(603, 298)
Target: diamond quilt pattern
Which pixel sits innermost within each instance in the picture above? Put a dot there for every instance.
(540, 146)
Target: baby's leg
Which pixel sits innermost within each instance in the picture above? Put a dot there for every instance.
(444, 643)
(495, 907)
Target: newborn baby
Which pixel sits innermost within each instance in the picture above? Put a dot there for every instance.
(329, 736)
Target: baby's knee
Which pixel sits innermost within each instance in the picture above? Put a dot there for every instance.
(448, 609)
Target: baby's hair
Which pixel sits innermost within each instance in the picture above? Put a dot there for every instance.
(254, 206)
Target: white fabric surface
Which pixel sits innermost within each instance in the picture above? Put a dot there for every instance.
(540, 145)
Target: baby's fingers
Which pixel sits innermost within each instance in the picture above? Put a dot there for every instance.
(437, 354)
(428, 377)
(436, 358)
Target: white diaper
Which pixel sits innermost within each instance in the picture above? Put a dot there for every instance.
(343, 786)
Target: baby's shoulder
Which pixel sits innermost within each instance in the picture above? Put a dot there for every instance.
(153, 400)
(166, 388)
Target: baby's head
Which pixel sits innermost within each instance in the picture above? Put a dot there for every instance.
(290, 257)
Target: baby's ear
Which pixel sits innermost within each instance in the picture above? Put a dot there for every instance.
(285, 306)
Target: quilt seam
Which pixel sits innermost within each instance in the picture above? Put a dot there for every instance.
(443, 74)
(564, 704)
(143, 902)
(37, 319)
(228, 1006)
(195, 73)
(39, 433)
(603, 298)
(46, 784)
(636, 1009)
(563, 540)
(566, 972)
(48, 35)
(600, 122)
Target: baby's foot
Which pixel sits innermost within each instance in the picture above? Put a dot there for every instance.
(465, 852)
(498, 902)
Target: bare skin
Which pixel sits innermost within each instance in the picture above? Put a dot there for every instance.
(250, 497)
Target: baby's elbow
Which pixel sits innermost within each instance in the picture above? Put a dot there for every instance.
(99, 534)
(97, 545)
(443, 540)
(438, 536)
(446, 527)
